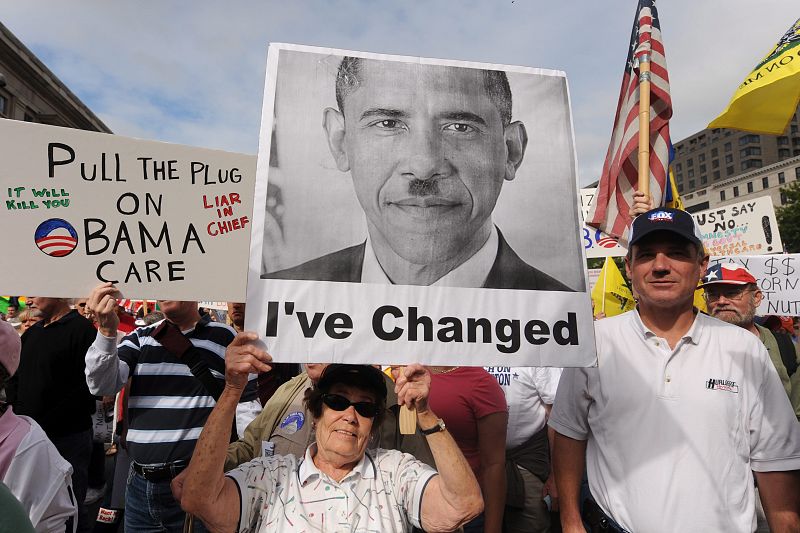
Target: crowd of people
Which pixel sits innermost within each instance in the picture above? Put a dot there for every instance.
(689, 422)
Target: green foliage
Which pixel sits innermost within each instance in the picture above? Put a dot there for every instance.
(788, 216)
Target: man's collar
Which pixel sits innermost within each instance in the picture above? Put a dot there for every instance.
(8, 423)
(307, 470)
(471, 273)
(692, 335)
(72, 313)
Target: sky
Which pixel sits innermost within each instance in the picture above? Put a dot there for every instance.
(192, 72)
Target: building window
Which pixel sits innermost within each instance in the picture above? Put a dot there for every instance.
(703, 179)
(783, 141)
(736, 191)
(797, 173)
(691, 184)
(796, 152)
(746, 139)
(728, 147)
(714, 152)
(795, 141)
(715, 163)
(784, 199)
(750, 150)
(691, 173)
(729, 158)
(784, 152)
(680, 187)
(751, 163)
(728, 171)
(702, 168)
(782, 178)
(716, 175)
(690, 162)
(701, 157)
(721, 196)
(765, 181)
(678, 167)
(3, 105)
(749, 186)
(794, 128)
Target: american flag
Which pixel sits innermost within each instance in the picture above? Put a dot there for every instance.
(610, 209)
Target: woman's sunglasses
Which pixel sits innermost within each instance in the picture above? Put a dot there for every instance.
(338, 402)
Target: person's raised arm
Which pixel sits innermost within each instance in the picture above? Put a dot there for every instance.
(780, 496)
(205, 491)
(569, 461)
(105, 372)
(452, 498)
(492, 447)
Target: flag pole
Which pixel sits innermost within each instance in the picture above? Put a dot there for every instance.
(644, 124)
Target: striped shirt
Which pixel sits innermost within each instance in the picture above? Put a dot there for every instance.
(167, 405)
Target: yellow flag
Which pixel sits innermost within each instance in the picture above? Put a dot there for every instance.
(768, 97)
(700, 300)
(611, 295)
(672, 198)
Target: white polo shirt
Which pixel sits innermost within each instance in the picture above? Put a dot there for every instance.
(382, 493)
(674, 434)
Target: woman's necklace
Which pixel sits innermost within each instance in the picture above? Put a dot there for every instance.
(443, 369)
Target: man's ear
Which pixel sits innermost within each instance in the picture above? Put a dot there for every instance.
(516, 139)
(757, 297)
(333, 122)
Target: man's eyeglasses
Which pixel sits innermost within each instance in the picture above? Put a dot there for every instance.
(733, 294)
(338, 402)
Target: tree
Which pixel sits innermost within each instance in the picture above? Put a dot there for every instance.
(788, 216)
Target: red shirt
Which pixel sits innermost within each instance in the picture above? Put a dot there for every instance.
(461, 397)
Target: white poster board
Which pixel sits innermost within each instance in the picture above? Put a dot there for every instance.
(427, 214)
(597, 243)
(778, 278)
(748, 227)
(160, 220)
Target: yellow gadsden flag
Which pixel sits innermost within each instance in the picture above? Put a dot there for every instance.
(768, 97)
(611, 295)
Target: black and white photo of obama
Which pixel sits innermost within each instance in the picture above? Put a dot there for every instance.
(428, 148)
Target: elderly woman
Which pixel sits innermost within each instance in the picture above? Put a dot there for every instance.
(338, 485)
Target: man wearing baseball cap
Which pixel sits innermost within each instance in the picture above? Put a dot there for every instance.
(732, 294)
(681, 411)
(30, 465)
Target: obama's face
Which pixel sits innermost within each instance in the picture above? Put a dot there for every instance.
(428, 153)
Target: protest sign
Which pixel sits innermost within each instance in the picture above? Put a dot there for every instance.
(427, 213)
(597, 243)
(159, 220)
(778, 278)
(743, 228)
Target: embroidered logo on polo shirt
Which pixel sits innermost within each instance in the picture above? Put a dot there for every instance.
(293, 422)
(722, 384)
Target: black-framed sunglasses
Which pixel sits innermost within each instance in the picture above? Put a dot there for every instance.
(337, 402)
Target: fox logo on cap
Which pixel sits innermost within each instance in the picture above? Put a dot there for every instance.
(660, 216)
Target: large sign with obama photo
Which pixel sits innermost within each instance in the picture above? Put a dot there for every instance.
(159, 220)
(414, 209)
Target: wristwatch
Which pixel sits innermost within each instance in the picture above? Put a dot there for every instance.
(435, 429)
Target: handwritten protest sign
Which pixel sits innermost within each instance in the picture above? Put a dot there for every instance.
(743, 228)
(427, 215)
(778, 278)
(159, 220)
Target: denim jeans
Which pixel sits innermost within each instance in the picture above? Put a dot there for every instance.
(150, 508)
